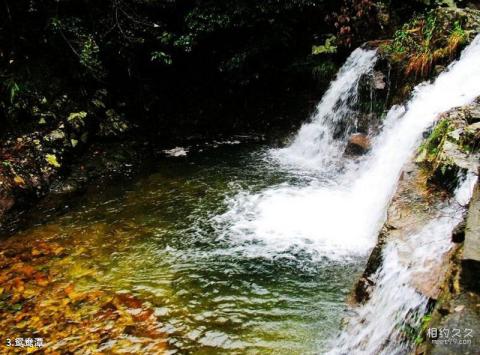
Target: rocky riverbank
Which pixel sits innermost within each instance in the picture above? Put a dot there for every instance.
(36, 176)
(450, 151)
(457, 308)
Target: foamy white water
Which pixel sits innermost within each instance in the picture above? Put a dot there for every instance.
(315, 147)
(395, 304)
(286, 217)
(342, 219)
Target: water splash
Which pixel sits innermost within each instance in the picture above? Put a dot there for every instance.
(341, 218)
(286, 218)
(317, 146)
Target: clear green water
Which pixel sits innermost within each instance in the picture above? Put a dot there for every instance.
(154, 237)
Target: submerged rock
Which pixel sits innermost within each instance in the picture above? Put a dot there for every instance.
(6, 202)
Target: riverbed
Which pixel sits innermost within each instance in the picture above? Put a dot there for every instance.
(159, 238)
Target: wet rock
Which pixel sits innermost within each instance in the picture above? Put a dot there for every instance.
(473, 5)
(364, 286)
(452, 147)
(358, 144)
(472, 234)
(32, 178)
(430, 282)
(474, 127)
(439, 69)
(458, 234)
(64, 187)
(414, 202)
(460, 311)
(454, 154)
(474, 114)
(363, 290)
(379, 80)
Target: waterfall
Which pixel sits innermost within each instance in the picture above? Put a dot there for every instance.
(316, 144)
(341, 218)
(395, 304)
(285, 217)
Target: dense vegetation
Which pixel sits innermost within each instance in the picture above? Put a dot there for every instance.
(164, 64)
(426, 41)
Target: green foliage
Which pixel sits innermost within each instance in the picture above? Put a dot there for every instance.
(13, 89)
(107, 39)
(424, 41)
(328, 47)
(52, 160)
(457, 37)
(201, 23)
(161, 57)
(433, 144)
(420, 338)
(77, 116)
(89, 55)
(324, 70)
(357, 20)
(429, 28)
(458, 31)
(414, 36)
(77, 120)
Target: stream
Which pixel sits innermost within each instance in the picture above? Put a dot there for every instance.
(244, 248)
(159, 238)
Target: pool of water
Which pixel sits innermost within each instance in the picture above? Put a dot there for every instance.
(159, 237)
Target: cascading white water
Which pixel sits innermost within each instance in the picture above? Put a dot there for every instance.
(315, 145)
(395, 305)
(286, 217)
(342, 219)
